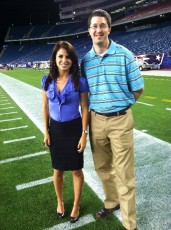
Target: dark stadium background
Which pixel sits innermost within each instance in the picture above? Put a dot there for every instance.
(22, 12)
(37, 12)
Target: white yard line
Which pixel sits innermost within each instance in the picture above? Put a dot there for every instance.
(144, 130)
(12, 119)
(21, 139)
(34, 183)
(7, 113)
(5, 104)
(4, 100)
(23, 157)
(144, 103)
(67, 225)
(169, 109)
(8, 108)
(14, 128)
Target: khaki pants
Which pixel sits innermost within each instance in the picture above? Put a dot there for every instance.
(112, 148)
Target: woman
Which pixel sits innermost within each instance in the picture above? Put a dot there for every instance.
(65, 129)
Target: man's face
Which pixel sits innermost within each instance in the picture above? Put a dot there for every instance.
(99, 30)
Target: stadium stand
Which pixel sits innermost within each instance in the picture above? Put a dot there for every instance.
(147, 12)
(39, 32)
(16, 32)
(34, 43)
(156, 39)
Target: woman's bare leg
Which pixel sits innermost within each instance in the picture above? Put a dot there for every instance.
(78, 179)
(58, 181)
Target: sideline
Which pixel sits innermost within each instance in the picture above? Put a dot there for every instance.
(163, 73)
(152, 161)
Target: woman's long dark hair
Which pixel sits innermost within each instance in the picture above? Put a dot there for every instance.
(74, 70)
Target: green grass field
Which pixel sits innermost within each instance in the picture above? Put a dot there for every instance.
(34, 207)
(155, 119)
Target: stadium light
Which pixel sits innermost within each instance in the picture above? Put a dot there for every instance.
(139, 2)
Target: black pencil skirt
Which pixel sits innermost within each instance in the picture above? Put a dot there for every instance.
(64, 138)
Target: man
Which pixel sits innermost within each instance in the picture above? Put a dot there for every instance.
(115, 84)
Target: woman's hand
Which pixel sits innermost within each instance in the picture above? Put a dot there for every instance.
(46, 119)
(47, 139)
(82, 143)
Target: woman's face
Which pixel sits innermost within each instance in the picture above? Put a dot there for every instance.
(63, 60)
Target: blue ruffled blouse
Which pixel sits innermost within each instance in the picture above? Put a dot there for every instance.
(64, 106)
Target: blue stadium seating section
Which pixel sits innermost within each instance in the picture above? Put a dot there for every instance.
(145, 41)
(152, 40)
(45, 31)
(17, 33)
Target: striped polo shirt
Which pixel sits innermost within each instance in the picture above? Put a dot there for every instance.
(112, 78)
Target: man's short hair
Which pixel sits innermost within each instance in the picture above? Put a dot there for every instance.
(100, 13)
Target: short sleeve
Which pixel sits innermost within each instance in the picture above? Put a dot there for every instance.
(44, 78)
(83, 85)
(135, 79)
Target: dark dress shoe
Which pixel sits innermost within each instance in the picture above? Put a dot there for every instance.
(74, 219)
(60, 215)
(104, 212)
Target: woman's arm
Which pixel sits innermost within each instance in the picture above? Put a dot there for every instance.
(85, 116)
(45, 111)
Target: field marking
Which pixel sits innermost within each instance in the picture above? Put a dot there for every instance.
(19, 127)
(150, 97)
(144, 103)
(8, 108)
(4, 100)
(21, 139)
(160, 79)
(169, 109)
(34, 183)
(144, 130)
(166, 100)
(67, 225)
(6, 103)
(23, 157)
(12, 119)
(7, 113)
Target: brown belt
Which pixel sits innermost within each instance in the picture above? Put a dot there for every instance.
(118, 113)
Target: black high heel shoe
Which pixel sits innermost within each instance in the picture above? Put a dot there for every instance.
(60, 215)
(74, 219)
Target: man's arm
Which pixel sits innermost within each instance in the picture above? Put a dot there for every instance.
(138, 93)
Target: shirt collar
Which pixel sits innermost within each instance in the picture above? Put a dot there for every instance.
(111, 49)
